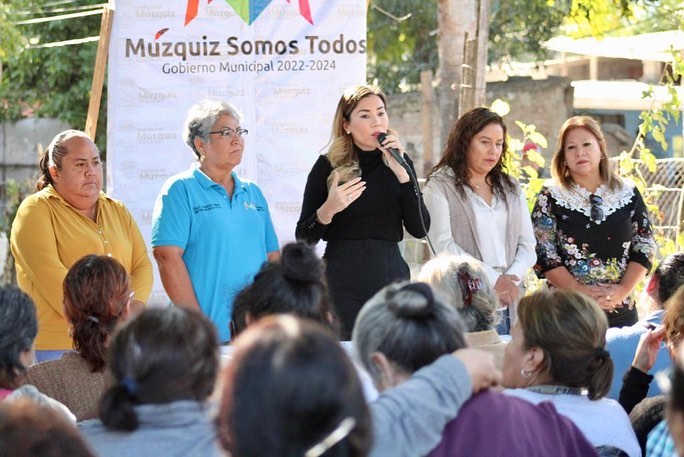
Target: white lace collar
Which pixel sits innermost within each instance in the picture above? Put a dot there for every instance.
(576, 198)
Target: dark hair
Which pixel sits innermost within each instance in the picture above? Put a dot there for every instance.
(18, 329)
(455, 154)
(96, 293)
(406, 323)
(295, 284)
(290, 385)
(670, 274)
(29, 429)
(570, 329)
(162, 355)
(54, 154)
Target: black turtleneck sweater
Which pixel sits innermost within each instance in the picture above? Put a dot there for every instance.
(378, 214)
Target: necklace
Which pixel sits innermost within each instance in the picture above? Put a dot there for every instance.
(555, 390)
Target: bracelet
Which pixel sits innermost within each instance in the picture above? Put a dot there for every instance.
(320, 219)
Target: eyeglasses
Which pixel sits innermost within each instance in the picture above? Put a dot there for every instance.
(229, 133)
(596, 211)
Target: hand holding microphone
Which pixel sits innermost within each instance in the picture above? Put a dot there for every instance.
(398, 165)
(398, 156)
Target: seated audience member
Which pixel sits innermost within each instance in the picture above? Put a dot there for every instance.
(622, 342)
(18, 329)
(557, 354)
(294, 284)
(164, 365)
(28, 429)
(404, 328)
(648, 415)
(281, 361)
(465, 285)
(97, 295)
(291, 390)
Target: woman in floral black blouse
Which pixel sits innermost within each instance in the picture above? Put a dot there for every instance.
(592, 228)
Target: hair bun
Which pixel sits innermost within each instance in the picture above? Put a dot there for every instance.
(413, 301)
(300, 263)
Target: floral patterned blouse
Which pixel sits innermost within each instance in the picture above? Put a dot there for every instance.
(592, 251)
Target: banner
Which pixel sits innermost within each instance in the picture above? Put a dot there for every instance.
(283, 63)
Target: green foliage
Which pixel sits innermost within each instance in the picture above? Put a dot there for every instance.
(54, 81)
(519, 28)
(11, 39)
(16, 192)
(401, 42)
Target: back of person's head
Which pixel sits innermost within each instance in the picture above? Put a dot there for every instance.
(409, 326)
(673, 320)
(28, 429)
(570, 329)
(670, 274)
(464, 284)
(291, 390)
(18, 329)
(160, 356)
(96, 297)
(295, 284)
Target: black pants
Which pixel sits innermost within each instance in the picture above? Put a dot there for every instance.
(356, 270)
(623, 317)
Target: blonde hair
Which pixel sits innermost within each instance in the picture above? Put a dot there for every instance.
(341, 153)
(570, 329)
(674, 319)
(450, 275)
(559, 168)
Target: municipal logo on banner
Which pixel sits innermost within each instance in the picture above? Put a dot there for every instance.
(248, 10)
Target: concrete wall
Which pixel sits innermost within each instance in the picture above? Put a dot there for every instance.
(544, 103)
(21, 145)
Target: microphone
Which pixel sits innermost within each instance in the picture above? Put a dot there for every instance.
(398, 156)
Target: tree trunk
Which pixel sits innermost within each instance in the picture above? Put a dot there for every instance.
(455, 18)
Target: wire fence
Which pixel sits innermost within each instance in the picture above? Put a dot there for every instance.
(664, 193)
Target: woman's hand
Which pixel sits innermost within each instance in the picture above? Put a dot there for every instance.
(611, 296)
(392, 141)
(506, 287)
(647, 350)
(340, 196)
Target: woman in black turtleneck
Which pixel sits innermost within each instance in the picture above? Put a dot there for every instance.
(357, 198)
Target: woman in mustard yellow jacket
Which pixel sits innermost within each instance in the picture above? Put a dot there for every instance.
(67, 218)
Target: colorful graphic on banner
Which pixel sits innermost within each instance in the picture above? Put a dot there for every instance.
(283, 63)
(246, 9)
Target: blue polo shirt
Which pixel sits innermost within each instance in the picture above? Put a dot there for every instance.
(225, 241)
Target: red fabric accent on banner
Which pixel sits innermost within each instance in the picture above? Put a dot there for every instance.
(305, 10)
(191, 11)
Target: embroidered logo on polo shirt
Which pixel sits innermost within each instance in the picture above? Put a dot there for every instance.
(202, 208)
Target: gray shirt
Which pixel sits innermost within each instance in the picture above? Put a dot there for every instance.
(408, 420)
(182, 428)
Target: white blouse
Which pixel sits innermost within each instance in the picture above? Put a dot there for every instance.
(491, 230)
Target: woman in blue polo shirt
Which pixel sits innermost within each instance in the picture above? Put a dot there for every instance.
(211, 230)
